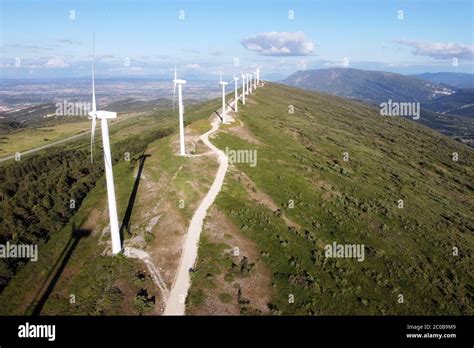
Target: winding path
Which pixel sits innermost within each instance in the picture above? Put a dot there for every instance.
(177, 296)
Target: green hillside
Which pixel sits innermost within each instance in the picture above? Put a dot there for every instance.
(262, 247)
(460, 103)
(302, 195)
(35, 208)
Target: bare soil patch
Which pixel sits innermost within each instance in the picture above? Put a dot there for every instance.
(256, 287)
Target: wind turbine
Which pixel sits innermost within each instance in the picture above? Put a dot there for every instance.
(258, 76)
(223, 84)
(109, 176)
(236, 98)
(251, 82)
(179, 83)
(244, 82)
(255, 80)
(248, 79)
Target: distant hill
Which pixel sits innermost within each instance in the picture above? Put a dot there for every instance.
(28, 114)
(43, 114)
(460, 103)
(459, 80)
(458, 127)
(135, 105)
(366, 85)
(439, 102)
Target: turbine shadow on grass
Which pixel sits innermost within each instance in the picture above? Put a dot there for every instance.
(230, 106)
(133, 196)
(62, 261)
(218, 114)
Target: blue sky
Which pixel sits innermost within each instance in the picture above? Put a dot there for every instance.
(44, 41)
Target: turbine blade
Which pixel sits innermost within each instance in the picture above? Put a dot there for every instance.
(92, 136)
(174, 95)
(94, 107)
(174, 87)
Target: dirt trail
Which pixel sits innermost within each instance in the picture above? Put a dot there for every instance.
(177, 298)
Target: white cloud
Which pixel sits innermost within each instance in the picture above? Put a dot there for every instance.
(439, 50)
(279, 44)
(56, 62)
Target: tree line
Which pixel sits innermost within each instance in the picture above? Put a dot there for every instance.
(36, 192)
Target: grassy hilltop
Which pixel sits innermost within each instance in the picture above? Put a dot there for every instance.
(408, 251)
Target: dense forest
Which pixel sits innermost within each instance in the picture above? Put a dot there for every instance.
(36, 192)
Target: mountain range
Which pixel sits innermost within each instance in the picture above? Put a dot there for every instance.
(366, 85)
(446, 108)
(459, 80)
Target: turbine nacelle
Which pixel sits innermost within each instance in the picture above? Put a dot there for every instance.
(222, 83)
(179, 81)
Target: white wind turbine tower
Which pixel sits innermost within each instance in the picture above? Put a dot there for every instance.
(251, 82)
(223, 84)
(258, 76)
(109, 176)
(248, 85)
(255, 80)
(244, 82)
(179, 83)
(236, 98)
